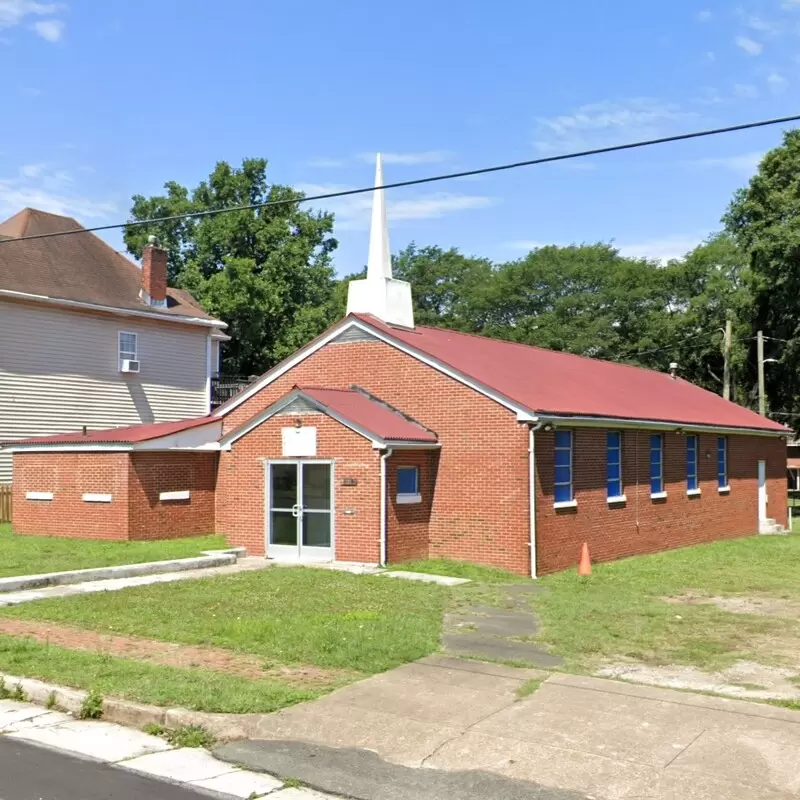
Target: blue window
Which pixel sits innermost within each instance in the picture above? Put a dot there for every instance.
(691, 463)
(722, 462)
(614, 464)
(407, 480)
(656, 463)
(563, 467)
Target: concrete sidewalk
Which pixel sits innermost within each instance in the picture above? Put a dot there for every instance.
(593, 737)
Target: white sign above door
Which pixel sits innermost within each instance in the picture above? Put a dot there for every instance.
(299, 442)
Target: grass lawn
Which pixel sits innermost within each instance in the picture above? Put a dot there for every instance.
(459, 569)
(33, 555)
(618, 611)
(289, 617)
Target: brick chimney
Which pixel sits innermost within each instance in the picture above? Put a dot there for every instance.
(154, 274)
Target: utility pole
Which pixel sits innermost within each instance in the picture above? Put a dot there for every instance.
(762, 400)
(726, 353)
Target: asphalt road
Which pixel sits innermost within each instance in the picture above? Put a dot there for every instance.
(35, 773)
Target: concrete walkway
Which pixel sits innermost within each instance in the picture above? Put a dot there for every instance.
(247, 564)
(588, 737)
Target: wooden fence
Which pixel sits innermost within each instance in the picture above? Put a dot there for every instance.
(5, 502)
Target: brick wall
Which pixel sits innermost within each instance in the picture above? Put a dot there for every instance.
(643, 525)
(241, 479)
(153, 473)
(480, 505)
(68, 476)
(408, 524)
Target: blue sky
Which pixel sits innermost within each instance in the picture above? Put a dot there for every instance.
(104, 100)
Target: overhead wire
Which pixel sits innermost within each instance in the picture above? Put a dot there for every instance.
(680, 137)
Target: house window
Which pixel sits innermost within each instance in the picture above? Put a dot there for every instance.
(408, 485)
(614, 464)
(691, 464)
(128, 347)
(562, 484)
(722, 462)
(657, 465)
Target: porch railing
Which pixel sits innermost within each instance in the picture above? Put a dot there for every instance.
(223, 387)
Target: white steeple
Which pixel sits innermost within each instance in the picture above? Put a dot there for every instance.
(380, 294)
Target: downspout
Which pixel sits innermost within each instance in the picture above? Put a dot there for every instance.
(532, 492)
(384, 514)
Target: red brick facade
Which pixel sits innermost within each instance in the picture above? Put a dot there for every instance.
(474, 488)
(134, 482)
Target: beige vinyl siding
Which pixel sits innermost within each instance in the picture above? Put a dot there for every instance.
(59, 370)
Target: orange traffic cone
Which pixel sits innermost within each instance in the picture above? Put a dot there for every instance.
(585, 564)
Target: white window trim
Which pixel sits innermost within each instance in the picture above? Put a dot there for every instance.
(97, 498)
(165, 497)
(38, 495)
(620, 498)
(572, 502)
(696, 490)
(724, 489)
(693, 492)
(408, 499)
(657, 495)
(120, 351)
(566, 504)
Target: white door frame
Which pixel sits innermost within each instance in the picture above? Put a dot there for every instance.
(298, 552)
(763, 498)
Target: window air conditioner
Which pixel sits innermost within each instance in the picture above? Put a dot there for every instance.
(129, 365)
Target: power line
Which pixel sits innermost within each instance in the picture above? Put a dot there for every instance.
(679, 345)
(419, 181)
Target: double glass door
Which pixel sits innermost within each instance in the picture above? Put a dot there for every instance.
(299, 514)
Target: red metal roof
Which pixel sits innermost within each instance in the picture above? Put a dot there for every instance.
(370, 414)
(550, 382)
(129, 435)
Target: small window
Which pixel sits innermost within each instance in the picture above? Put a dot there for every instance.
(614, 464)
(722, 462)
(691, 464)
(562, 492)
(656, 464)
(128, 347)
(408, 485)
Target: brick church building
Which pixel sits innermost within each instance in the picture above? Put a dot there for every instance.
(381, 441)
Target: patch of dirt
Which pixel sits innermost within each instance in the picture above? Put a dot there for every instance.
(745, 679)
(171, 654)
(763, 606)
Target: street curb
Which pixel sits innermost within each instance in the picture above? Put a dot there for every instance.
(132, 714)
(209, 558)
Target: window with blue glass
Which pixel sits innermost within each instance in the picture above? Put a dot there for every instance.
(407, 480)
(722, 462)
(656, 464)
(691, 463)
(614, 464)
(563, 467)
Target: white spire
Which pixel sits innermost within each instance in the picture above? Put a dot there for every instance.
(380, 294)
(380, 254)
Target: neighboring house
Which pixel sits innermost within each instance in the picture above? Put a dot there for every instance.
(89, 339)
(381, 441)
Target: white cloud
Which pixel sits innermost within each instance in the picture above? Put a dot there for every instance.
(750, 46)
(790, 4)
(15, 12)
(776, 82)
(659, 249)
(745, 163)
(409, 159)
(745, 91)
(704, 16)
(38, 186)
(327, 163)
(353, 212)
(606, 122)
(51, 30)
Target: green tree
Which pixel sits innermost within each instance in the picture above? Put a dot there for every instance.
(266, 272)
(764, 220)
